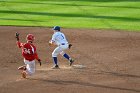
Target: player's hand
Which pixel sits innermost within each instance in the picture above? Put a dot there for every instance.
(39, 61)
(17, 36)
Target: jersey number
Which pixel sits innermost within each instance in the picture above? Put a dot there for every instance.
(27, 51)
(62, 36)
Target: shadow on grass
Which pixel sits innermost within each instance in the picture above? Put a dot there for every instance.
(42, 2)
(70, 4)
(108, 0)
(70, 15)
(131, 7)
(95, 0)
(62, 82)
(15, 19)
(23, 2)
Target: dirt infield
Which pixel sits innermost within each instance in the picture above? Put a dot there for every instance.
(111, 61)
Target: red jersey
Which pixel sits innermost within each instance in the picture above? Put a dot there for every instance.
(28, 51)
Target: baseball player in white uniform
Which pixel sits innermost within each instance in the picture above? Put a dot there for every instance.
(59, 39)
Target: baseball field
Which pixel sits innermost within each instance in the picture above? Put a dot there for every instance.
(105, 37)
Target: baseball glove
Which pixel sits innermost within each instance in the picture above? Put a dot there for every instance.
(51, 44)
(39, 61)
(70, 45)
(17, 36)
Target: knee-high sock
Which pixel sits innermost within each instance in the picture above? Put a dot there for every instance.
(66, 56)
(55, 60)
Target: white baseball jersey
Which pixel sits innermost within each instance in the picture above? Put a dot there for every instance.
(59, 38)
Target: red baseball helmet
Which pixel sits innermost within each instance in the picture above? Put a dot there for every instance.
(30, 37)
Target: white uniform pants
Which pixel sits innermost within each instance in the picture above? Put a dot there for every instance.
(30, 66)
(59, 50)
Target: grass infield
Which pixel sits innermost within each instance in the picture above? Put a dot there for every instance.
(92, 14)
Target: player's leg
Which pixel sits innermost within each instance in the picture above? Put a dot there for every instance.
(55, 53)
(65, 55)
(64, 47)
(22, 67)
(30, 68)
(23, 70)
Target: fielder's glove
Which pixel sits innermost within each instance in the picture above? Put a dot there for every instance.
(51, 43)
(17, 36)
(39, 61)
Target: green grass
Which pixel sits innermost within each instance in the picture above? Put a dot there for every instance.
(96, 14)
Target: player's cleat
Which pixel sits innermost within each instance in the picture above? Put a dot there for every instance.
(55, 67)
(23, 74)
(71, 61)
(22, 67)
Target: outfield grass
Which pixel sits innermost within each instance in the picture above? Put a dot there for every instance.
(97, 14)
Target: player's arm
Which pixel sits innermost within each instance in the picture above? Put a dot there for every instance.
(37, 58)
(19, 44)
(52, 41)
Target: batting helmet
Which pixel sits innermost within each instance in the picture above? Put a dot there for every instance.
(30, 37)
(56, 28)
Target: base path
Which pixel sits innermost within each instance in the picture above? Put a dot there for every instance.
(105, 62)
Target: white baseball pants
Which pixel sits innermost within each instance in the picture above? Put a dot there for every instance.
(59, 50)
(30, 66)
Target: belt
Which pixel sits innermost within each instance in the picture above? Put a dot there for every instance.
(29, 59)
(62, 43)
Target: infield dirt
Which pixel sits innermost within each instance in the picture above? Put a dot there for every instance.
(111, 60)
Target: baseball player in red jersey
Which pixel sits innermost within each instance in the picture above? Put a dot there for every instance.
(29, 53)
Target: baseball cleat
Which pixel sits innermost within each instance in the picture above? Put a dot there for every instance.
(55, 67)
(71, 61)
(22, 67)
(23, 74)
